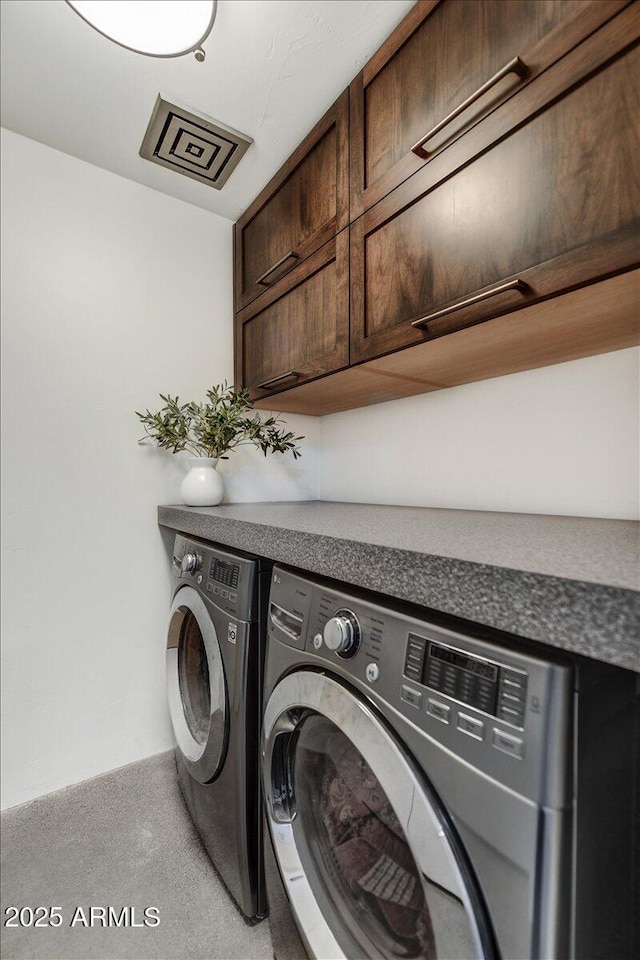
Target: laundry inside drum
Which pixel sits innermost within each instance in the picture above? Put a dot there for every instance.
(360, 863)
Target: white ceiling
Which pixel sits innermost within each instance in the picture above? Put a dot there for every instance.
(272, 69)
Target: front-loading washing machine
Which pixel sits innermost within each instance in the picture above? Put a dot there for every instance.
(434, 793)
(215, 656)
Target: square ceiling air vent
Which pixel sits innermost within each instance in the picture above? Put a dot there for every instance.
(193, 144)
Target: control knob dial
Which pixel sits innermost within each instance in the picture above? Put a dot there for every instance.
(190, 563)
(342, 633)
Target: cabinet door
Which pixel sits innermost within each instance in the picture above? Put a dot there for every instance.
(407, 105)
(300, 329)
(303, 206)
(554, 205)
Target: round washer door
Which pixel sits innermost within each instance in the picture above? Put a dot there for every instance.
(370, 862)
(196, 686)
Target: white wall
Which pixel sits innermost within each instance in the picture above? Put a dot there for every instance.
(559, 440)
(111, 293)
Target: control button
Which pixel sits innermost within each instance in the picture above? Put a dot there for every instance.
(471, 726)
(224, 593)
(233, 596)
(513, 692)
(199, 579)
(441, 711)
(509, 700)
(373, 672)
(513, 676)
(415, 656)
(510, 697)
(317, 641)
(510, 715)
(210, 587)
(414, 697)
(413, 672)
(514, 746)
(216, 590)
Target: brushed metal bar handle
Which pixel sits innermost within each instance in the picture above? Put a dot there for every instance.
(478, 298)
(274, 380)
(514, 66)
(292, 255)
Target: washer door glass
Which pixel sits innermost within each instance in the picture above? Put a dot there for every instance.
(196, 686)
(360, 852)
(193, 677)
(370, 862)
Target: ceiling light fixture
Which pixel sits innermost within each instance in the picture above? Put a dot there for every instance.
(156, 28)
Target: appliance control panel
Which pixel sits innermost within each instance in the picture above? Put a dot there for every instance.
(226, 579)
(487, 685)
(503, 710)
(225, 573)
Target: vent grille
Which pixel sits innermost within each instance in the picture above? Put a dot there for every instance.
(193, 144)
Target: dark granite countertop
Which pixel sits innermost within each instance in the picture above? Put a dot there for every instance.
(568, 582)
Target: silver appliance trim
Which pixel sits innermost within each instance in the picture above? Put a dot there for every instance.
(440, 872)
(203, 759)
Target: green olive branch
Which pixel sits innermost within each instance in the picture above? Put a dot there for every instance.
(217, 426)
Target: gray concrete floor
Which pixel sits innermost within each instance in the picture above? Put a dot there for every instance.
(122, 840)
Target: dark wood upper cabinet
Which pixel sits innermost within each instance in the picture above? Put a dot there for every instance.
(406, 103)
(302, 207)
(545, 197)
(529, 197)
(300, 329)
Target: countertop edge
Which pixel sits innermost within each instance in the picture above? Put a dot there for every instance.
(594, 620)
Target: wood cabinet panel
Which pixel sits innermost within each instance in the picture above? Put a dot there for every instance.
(578, 324)
(438, 58)
(530, 198)
(300, 209)
(300, 329)
(556, 203)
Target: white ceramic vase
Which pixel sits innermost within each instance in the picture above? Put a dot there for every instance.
(203, 485)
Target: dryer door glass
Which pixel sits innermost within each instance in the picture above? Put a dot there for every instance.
(196, 686)
(372, 866)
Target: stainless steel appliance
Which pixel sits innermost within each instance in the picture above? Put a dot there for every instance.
(436, 794)
(215, 655)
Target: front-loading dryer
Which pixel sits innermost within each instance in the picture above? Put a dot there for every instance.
(427, 792)
(215, 656)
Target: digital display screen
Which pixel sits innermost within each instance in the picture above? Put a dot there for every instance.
(480, 668)
(225, 572)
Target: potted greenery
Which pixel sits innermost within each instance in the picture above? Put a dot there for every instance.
(210, 431)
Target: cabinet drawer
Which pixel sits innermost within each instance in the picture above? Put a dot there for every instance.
(553, 205)
(300, 329)
(444, 55)
(302, 207)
